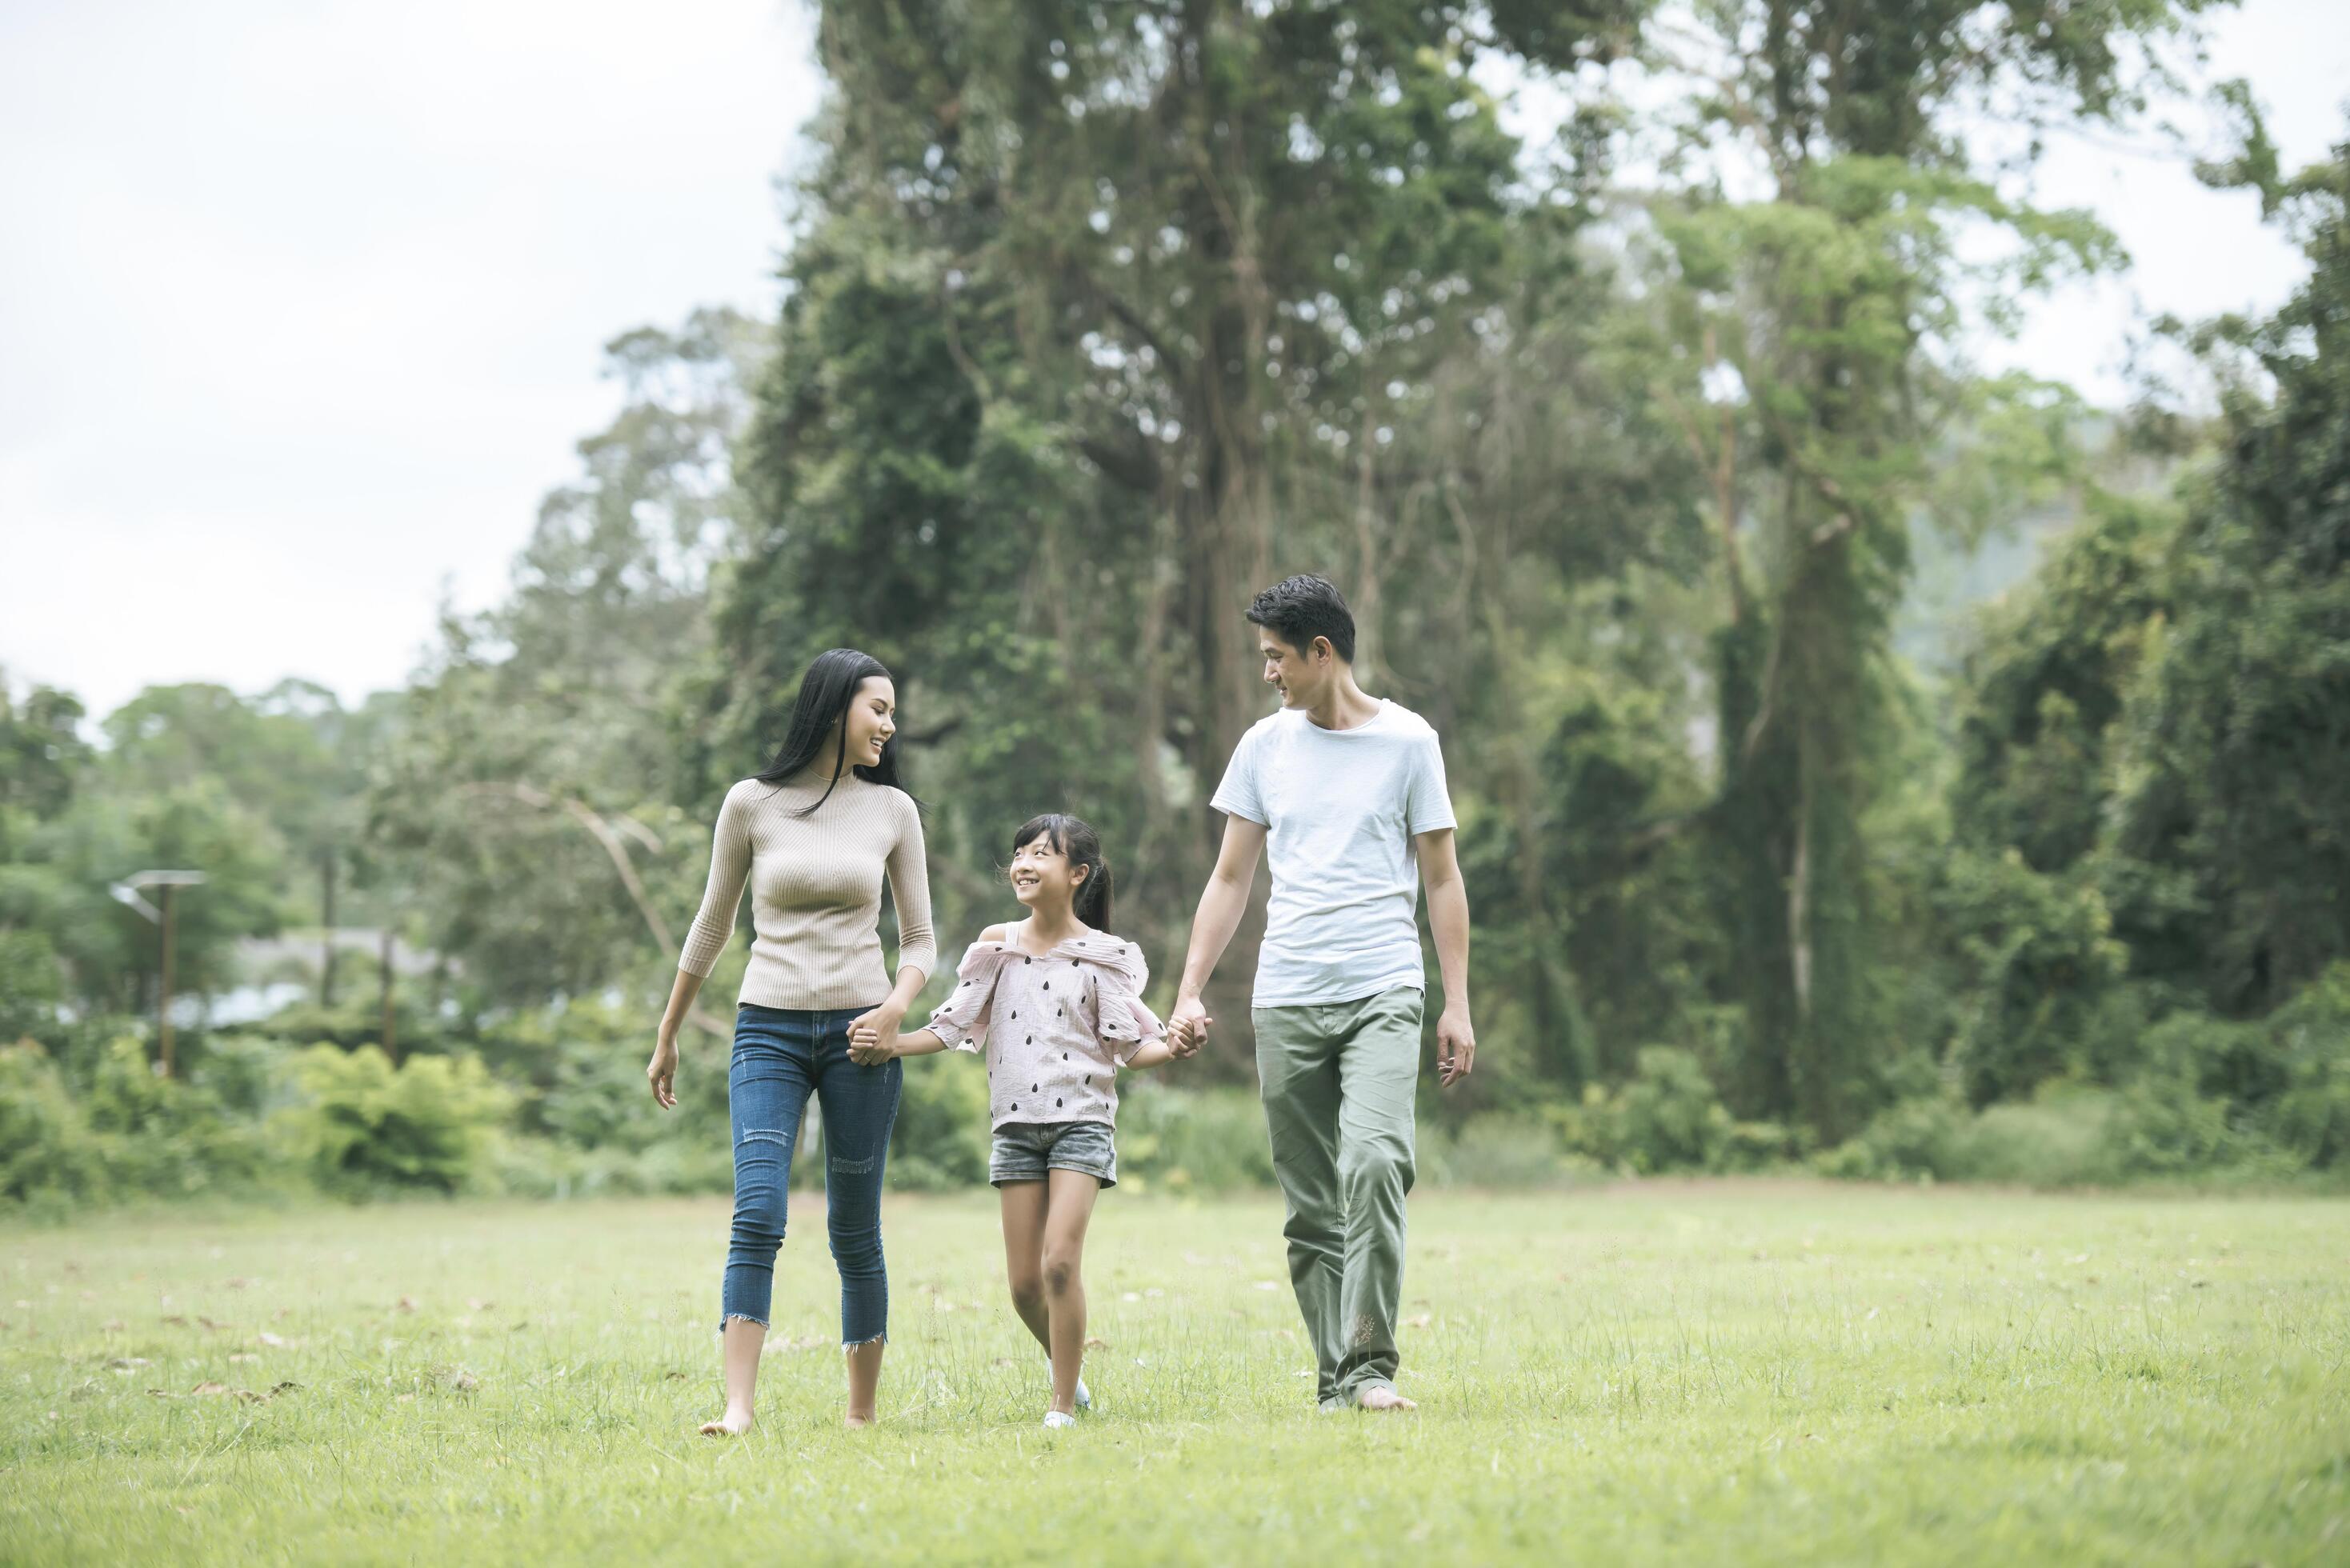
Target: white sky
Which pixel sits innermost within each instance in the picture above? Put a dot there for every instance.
(301, 301)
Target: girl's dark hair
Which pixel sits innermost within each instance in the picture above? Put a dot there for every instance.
(1072, 838)
(826, 693)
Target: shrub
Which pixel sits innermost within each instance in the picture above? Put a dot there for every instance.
(2041, 958)
(1503, 1149)
(31, 984)
(1191, 1140)
(941, 1141)
(167, 1136)
(367, 1124)
(541, 1167)
(48, 1150)
(1910, 1139)
(2063, 1139)
(2312, 1115)
(1666, 1117)
(246, 1075)
(2162, 1126)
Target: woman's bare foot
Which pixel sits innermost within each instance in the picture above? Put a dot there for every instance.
(1379, 1397)
(856, 1422)
(732, 1424)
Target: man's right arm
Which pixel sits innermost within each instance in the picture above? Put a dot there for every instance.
(1222, 904)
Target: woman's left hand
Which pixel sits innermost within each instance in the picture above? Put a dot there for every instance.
(873, 1037)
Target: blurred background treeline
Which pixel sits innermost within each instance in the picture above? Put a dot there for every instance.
(1866, 762)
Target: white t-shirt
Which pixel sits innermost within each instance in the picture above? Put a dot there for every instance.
(1340, 808)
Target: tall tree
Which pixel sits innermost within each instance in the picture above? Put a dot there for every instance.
(525, 798)
(1104, 316)
(1820, 317)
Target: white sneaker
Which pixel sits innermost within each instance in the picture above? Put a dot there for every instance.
(1085, 1395)
(1054, 1420)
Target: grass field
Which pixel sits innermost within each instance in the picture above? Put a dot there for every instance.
(1704, 1373)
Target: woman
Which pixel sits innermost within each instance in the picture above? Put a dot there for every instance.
(815, 834)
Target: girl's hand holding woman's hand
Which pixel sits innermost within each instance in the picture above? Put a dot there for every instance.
(873, 1038)
(662, 1072)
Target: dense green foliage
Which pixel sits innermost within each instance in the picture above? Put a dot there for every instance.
(1621, 444)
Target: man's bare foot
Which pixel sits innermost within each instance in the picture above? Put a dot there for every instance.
(1379, 1397)
(732, 1424)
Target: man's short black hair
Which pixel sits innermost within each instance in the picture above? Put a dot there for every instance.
(1300, 608)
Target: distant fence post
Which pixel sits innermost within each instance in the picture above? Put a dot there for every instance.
(128, 892)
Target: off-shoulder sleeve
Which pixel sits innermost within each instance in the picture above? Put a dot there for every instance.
(730, 864)
(962, 1019)
(1121, 1019)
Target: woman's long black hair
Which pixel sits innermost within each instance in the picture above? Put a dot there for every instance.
(825, 691)
(1072, 838)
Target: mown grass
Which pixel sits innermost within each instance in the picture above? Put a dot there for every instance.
(1756, 1373)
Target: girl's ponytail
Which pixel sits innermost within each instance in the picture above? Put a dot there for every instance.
(1092, 899)
(1076, 839)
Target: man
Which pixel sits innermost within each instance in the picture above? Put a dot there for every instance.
(1348, 791)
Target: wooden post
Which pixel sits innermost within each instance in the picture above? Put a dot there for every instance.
(326, 943)
(164, 1011)
(390, 1043)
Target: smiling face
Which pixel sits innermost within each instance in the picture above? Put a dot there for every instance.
(1043, 879)
(871, 720)
(1303, 679)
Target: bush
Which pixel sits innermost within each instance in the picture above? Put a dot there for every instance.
(1910, 1139)
(1667, 1118)
(31, 984)
(2065, 1138)
(128, 1134)
(2162, 1126)
(48, 1154)
(248, 1075)
(1503, 1149)
(541, 1167)
(941, 1141)
(2070, 1135)
(168, 1136)
(2312, 1115)
(2041, 957)
(1191, 1140)
(426, 1124)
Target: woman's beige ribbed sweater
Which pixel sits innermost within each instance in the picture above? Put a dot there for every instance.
(816, 892)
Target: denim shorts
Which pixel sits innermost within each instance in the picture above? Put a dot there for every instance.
(1024, 1151)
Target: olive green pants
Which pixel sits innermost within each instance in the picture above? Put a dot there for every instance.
(1338, 1079)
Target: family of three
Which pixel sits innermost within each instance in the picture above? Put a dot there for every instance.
(1342, 792)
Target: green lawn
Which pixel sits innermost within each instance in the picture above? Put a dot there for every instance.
(1703, 1373)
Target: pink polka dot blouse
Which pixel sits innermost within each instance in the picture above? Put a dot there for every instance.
(1055, 1027)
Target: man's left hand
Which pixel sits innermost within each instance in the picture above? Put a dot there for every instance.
(1456, 1046)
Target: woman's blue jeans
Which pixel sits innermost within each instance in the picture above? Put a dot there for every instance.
(781, 1057)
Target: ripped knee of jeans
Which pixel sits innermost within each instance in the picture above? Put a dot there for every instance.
(841, 1165)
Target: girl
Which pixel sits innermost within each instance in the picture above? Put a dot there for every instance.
(1055, 1002)
(813, 836)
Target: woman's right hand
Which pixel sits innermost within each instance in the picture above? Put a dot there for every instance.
(662, 1072)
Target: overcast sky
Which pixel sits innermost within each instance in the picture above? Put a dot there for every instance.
(301, 301)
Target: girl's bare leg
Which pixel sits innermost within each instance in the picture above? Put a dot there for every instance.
(743, 1340)
(1024, 1255)
(1069, 1208)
